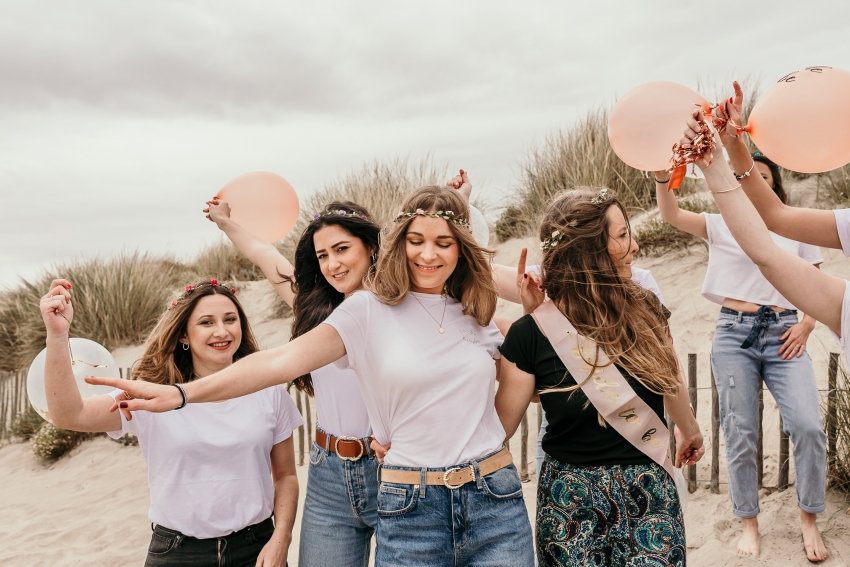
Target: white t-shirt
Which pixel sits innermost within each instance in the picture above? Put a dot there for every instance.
(842, 223)
(844, 339)
(431, 394)
(209, 465)
(732, 274)
(339, 405)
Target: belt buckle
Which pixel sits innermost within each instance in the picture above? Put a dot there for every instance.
(452, 470)
(355, 439)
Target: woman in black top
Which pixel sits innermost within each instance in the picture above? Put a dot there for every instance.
(600, 500)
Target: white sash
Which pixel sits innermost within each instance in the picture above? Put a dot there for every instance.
(609, 392)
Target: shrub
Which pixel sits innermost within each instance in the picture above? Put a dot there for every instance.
(26, 424)
(580, 155)
(50, 442)
(656, 236)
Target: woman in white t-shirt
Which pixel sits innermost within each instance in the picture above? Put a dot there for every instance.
(332, 257)
(757, 337)
(423, 346)
(218, 472)
(793, 276)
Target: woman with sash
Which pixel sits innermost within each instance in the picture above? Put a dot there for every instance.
(819, 295)
(423, 345)
(606, 495)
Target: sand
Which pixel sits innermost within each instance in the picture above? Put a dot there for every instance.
(90, 507)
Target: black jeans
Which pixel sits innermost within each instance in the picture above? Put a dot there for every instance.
(170, 547)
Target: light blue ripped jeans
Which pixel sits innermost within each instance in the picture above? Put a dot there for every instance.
(792, 383)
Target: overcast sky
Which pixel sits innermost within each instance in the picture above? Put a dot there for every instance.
(119, 119)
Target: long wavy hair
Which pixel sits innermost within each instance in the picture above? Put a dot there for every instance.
(164, 360)
(579, 275)
(778, 188)
(315, 297)
(471, 283)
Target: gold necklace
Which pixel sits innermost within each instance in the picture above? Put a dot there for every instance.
(440, 323)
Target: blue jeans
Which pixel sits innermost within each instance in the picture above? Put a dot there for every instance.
(482, 523)
(792, 383)
(340, 510)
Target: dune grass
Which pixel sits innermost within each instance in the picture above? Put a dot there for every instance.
(655, 237)
(838, 461)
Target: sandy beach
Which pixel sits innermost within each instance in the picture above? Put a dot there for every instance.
(90, 507)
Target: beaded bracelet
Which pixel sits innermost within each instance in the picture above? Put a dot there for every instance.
(746, 173)
(182, 393)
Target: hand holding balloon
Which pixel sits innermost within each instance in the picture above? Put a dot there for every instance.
(462, 184)
(217, 211)
(727, 117)
(56, 309)
(696, 127)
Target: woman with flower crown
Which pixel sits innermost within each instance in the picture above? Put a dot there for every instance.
(602, 498)
(222, 476)
(423, 346)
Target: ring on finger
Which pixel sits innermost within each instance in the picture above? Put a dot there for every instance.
(127, 395)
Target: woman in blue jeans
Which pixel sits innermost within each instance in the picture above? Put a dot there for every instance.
(333, 256)
(423, 346)
(758, 336)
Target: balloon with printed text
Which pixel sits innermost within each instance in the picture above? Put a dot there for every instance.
(803, 121)
(263, 203)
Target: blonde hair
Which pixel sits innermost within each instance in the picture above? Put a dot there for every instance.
(625, 320)
(471, 282)
(164, 360)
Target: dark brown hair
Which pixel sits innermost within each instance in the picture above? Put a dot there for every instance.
(776, 172)
(315, 297)
(579, 275)
(164, 361)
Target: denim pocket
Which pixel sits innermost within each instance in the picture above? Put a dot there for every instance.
(396, 499)
(317, 454)
(787, 324)
(504, 484)
(725, 324)
(161, 544)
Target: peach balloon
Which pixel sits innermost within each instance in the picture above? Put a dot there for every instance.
(262, 202)
(803, 121)
(648, 120)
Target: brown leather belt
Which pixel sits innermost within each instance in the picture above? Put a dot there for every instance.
(453, 477)
(346, 448)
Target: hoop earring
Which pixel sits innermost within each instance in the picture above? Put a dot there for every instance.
(185, 346)
(374, 257)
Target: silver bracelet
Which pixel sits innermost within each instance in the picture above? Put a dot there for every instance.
(746, 173)
(738, 186)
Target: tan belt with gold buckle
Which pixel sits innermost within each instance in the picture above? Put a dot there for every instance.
(453, 477)
(346, 448)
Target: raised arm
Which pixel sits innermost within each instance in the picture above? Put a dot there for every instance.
(264, 255)
(67, 409)
(257, 371)
(668, 207)
(812, 226)
(809, 289)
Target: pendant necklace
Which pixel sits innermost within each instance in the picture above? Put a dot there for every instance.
(440, 323)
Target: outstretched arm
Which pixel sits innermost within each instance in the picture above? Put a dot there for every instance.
(255, 372)
(66, 408)
(809, 289)
(812, 226)
(264, 255)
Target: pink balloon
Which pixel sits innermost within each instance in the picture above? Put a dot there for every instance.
(803, 121)
(648, 120)
(262, 202)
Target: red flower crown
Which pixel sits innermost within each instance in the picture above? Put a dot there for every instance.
(190, 288)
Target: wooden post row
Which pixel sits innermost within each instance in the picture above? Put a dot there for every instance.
(760, 442)
(714, 485)
(692, 394)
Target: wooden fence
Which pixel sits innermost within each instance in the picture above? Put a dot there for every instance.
(13, 401)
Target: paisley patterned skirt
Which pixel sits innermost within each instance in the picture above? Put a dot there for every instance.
(622, 515)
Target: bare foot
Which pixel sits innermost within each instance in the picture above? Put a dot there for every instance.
(748, 545)
(815, 548)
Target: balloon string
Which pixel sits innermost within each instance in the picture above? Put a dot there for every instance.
(71, 352)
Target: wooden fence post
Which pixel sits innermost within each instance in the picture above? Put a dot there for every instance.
(715, 437)
(309, 419)
(692, 394)
(784, 461)
(672, 442)
(831, 401)
(523, 451)
(760, 441)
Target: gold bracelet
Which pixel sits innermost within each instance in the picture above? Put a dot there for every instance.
(738, 186)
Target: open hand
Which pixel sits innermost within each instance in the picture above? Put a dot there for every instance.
(274, 552)
(146, 396)
(694, 128)
(794, 340)
(217, 210)
(462, 184)
(56, 309)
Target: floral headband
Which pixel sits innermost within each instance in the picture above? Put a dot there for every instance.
(190, 288)
(557, 235)
(339, 213)
(446, 215)
(601, 197)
